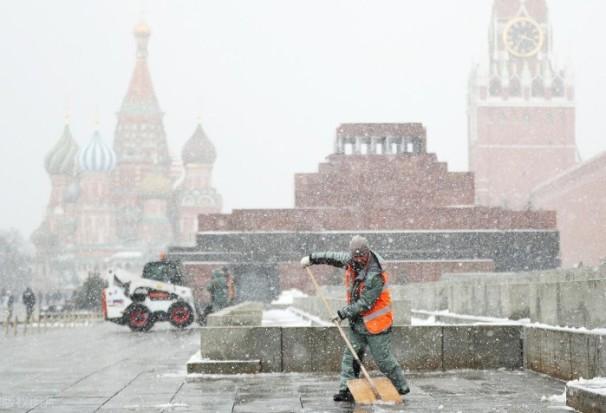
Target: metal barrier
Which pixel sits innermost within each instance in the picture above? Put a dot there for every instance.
(45, 321)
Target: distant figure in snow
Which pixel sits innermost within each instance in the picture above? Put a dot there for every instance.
(222, 292)
(221, 289)
(368, 310)
(29, 300)
(10, 302)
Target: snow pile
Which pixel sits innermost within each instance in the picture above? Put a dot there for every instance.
(556, 398)
(283, 318)
(595, 385)
(287, 296)
(197, 358)
(431, 315)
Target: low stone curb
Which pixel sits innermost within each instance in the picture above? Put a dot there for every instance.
(586, 397)
(224, 367)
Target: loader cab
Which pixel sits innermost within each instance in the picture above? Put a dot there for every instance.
(163, 271)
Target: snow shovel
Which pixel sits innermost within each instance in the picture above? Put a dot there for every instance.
(367, 390)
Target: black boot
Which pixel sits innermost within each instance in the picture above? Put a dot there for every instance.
(343, 396)
(404, 391)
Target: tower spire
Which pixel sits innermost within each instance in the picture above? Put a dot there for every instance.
(140, 97)
(142, 33)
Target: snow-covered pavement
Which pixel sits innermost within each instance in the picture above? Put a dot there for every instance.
(107, 368)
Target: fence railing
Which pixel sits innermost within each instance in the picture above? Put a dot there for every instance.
(43, 321)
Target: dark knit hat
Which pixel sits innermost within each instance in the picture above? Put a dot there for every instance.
(358, 246)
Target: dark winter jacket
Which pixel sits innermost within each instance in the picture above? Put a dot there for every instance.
(29, 298)
(218, 290)
(371, 277)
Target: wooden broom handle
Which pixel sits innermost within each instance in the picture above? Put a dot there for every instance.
(351, 349)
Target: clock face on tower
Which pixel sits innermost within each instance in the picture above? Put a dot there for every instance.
(523, 37)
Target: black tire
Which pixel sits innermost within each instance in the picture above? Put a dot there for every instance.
(180, 314)
(139, 318)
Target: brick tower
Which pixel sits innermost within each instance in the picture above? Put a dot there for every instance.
(195, 194)
(139, 143)
(521, 110)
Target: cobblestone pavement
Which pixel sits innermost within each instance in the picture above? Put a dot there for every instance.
(107, 368)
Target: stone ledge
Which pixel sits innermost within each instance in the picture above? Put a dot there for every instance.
(248, 313)
(313, 349)
(198, 365)
(587, 396)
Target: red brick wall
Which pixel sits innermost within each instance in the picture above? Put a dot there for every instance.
(292, 276)
(518, 148)
(578, 197)
(421, 218)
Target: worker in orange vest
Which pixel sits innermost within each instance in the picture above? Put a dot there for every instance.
(368, 310)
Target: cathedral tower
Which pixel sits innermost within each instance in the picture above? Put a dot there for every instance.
(96, 218)
(195, 195)
(521, 111)
(140, 141)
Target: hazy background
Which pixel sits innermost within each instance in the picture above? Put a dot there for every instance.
(271, 80)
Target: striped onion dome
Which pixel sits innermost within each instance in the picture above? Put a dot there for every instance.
(61, 160)
(198, 149)
(97, 156)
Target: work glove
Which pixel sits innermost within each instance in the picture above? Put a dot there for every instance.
(305, 261)
(339, 317)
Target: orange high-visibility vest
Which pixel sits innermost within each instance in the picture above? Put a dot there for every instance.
(380, 317)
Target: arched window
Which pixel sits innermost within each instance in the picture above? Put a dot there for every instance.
(558, 88)
(495, 88)
(515, 88)
(538, 89)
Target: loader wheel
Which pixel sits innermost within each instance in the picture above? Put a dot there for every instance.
(139, 318)
(180, 314)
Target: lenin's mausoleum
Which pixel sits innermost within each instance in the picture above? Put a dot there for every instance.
(381, 182)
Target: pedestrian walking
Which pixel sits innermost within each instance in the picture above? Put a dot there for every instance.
(29, 300)
(368, 311)
(10, 302)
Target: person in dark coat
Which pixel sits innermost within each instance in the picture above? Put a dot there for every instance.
(10, 302)
(29, 300)
(218, 290)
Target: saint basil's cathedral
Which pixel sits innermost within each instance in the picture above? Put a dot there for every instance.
(120, 206)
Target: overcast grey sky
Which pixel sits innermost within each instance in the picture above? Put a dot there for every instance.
(270, 79)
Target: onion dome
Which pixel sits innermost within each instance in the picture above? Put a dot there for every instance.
(198, 149)
(97, 156)
(61, 160)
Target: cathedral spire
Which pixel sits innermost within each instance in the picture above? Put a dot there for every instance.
(140, 98)
(140, 135)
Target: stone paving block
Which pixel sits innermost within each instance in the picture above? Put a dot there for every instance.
(311, 349)
(518, 302)
(584, 355)
(243, 343)
(482, 347)
(532, 348)
(252, 319)
(248, 313)
(419, 347)
(555, 354)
